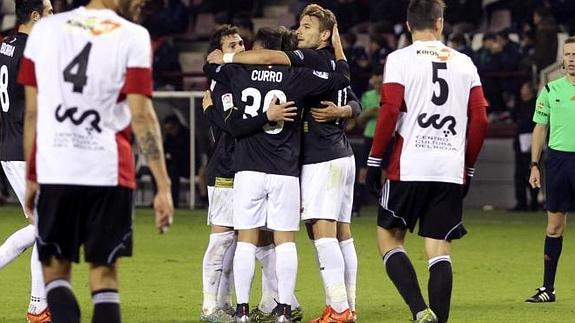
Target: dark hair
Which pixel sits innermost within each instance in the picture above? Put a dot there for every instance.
(289, 39)
(325, 16)
(422, 14)
(24, 8)
(243, 21)
(570, 40)
(269, 38)
(172, 119)
(219, 34)
(503, 33)
(543, 12)
(459, 38)
(489, 36)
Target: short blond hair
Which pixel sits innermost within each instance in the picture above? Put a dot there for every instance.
(326, 18)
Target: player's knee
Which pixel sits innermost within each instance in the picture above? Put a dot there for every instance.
(324, 229)
(555, 229)
(343, 231)
(54, 268)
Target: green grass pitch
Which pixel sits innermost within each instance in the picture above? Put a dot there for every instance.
(496, 266)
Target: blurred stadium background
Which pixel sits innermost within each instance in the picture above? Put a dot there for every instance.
(514, 43)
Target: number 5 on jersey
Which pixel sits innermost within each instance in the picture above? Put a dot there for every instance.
(75, 72)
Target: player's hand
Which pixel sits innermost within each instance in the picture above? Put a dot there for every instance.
(328, 113)
(335, 38)
(164, 210)
(373, 180)
(535, 177)
(207, 100)
(216, 57)
(30, 200)
(281, 112)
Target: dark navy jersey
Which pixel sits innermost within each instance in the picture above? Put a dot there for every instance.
(11, 98)
(269, 147)
(322, 141)
(220, 159)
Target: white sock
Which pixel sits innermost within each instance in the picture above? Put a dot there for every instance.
(331, 266)
(350, 258)
(294, 302)
(38, 301)
(227, 279)
(213, 267)
(266, 255)
(286, 271)
(16, 244)
(318, 266)
(244, 267)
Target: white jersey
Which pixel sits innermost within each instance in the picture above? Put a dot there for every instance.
(431, 130)
(84, 62)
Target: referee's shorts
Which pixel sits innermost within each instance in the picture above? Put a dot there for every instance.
(560, 181)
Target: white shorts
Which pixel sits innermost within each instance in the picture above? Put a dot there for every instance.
(266, 200)
(327, 190)
(16, 174)
(220, 206)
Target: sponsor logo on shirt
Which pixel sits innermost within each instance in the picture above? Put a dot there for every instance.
(93, 26)
(433, 121)
(299, 54)
(62, 114)
(323, 75)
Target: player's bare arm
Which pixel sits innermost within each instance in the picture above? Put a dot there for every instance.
(207, 100)
(147, 130)
(252, 57)
(537, 144)
(336, 43)
(29, 135)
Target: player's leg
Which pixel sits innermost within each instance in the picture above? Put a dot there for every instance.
(347, 246)
(61, 300)
(216, 271)
(58, 222)
(283, 216)
(105, 296)
(397, 213)
(560, 189)
(249, 212)
(345, 238)
(226, 286)
(266, 255)
(440, 277)
(322, 192)
(108, 236)
(22, 239)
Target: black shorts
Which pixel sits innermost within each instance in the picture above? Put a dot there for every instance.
(437, 205)
(560, 181)
(100, 218)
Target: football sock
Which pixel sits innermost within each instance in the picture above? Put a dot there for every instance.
(294, 302)
(244, 267)
(401, 272)
(553, 247)
(62, 303)
(266, 255)
(213, 267)
(286, 271)
(16, 244)
(227, 279)
(106, 306)
(38, 301)
(318, 266)
(350, 258)
(331, 267)
(439, 286)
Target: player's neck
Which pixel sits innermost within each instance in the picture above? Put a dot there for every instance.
(25, 28)
(424, 36)
(96, 4)
(570, 78)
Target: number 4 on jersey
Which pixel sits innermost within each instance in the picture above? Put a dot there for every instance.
(75, 72)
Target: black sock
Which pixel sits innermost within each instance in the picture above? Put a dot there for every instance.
(61, 302)
(553, 248)
(401, 272)
(439, 287)
(106, 306)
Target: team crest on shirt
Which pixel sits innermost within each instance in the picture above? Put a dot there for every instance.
(227, 101)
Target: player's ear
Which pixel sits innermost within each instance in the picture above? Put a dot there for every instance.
(35, 16)
(325, 35)
(439, 25)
